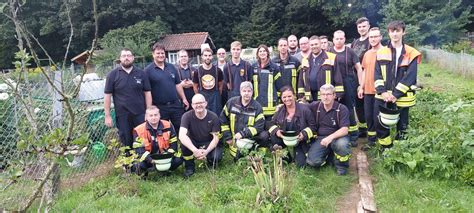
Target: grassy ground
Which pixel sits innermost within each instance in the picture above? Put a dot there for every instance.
(402, 192)
(230, 188)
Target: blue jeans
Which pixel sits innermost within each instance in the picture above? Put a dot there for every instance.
(317, 154)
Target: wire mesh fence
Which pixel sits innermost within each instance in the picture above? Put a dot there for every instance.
(34, 121)
(460, 63)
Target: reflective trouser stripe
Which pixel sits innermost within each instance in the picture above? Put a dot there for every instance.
(353, 128)
(362, 125)
(233, 150)
(342, 158)
(144, 156)
(385, 141)
(188, 157)
(371, 133)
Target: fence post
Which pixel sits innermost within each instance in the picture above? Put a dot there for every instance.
(57, 115)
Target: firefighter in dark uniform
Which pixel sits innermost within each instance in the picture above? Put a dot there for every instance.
(130, 89)
(395, 75)
(293, 116)
(154, 136)
(166, 89)
(264, 86)
(332, 122)
(320, 70)
(288, 74)
(236, 71)
(346, 62)
(185, 73)
(208, 81)
(360, 46)
(242, 117)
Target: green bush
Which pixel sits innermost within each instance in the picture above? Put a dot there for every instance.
(441, 139)
(460, 46)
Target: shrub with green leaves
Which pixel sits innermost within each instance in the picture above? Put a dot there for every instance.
(441, 139)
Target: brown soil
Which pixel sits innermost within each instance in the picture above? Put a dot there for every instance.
(350, 201)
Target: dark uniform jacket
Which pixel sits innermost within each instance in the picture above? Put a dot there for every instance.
(288, 75)
(246, 120)
(397, 80)
(303, 120)
(327, 74)
(264, 88)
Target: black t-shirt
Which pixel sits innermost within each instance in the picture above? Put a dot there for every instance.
(163, 83)
(206, 79)
(360, 47)
(127, 90)
(199, 130)
(328, 122)
(345, 61)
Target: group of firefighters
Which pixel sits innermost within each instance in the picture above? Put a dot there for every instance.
(329, 96)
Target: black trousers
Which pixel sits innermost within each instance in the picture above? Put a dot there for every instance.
(172, 112)
(125, 124)
(213, 157)
(383, 132)
(370, 117)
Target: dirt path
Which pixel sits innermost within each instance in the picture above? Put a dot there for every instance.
(351, 201)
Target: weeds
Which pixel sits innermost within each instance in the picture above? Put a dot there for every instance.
(273, 183)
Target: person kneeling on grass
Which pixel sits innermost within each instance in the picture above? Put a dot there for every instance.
(154, 136)
(332, 126)
(293, 117)
(242, 118)
(199, 136)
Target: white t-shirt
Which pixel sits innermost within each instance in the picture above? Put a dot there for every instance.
(398, 53)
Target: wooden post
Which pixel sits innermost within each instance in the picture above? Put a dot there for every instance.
(365, 184)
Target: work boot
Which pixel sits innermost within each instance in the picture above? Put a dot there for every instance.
(188, 173)
(341, 171)
(362, 133)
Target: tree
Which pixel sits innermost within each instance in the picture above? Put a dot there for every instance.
(264, 26)
(138, 37)
(428, 22)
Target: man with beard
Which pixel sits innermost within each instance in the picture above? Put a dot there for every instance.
(208, 82)
(288, 73)
(166, 88)
(320, 70)
(293, 45)
(360, 46)
(236, 71)
(130, 89)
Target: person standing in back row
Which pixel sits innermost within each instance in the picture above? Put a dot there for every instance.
(166, 89)
(360, 46)
(185, 73)
(346, 62)
(208, 82)
(130, 89)
(236, 71)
